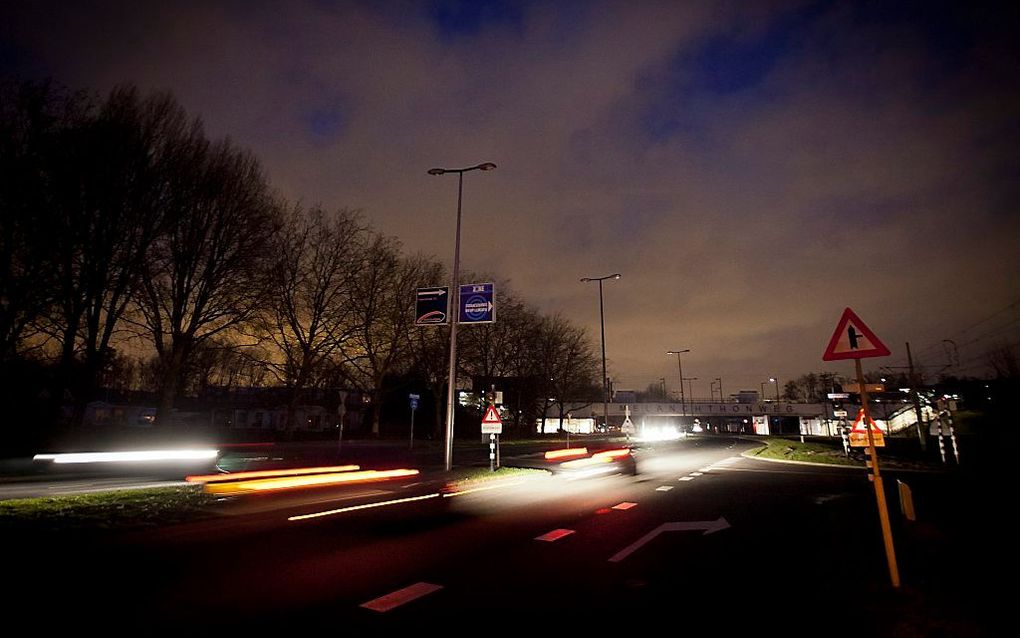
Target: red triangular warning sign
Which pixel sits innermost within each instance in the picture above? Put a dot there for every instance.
(853, 340)
(859, 435)
(491, 416)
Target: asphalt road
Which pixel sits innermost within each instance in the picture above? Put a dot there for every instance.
(701, 539)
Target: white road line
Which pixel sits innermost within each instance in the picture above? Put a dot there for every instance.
(554, 535)
(704, 469)
(686, 478)
(401, 597)
(624, 506)
(664, 488)
(695, 473)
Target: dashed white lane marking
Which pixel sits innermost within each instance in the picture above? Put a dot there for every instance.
(705, 469)
(695, 473)
(624, 506)
(686, 478)
(554, 535)
(664, 488)
(401, 597)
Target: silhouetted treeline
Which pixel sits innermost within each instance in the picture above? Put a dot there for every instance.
(136, 253)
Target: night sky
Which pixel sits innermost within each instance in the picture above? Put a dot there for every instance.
(750, 168)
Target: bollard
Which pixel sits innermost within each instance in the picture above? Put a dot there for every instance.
(906, 501)
(952, 437)
(942, 444)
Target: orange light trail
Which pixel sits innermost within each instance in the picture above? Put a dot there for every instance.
(289, 482)
(611, 454)
(566, 452)
(238, 476)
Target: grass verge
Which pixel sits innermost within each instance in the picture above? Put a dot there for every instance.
(125, 509)
(808, 452)
(466, 476)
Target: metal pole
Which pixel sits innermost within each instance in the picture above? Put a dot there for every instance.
(883, 510)
(411, 447)
(455, 309)
(683, 400)
(605, 379)
(454, 316)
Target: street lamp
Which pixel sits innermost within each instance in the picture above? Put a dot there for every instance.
(602, 320)
(690, 387)
(455, 301)
(680, 367)
(776, 381)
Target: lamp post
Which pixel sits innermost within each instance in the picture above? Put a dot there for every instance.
(776, 381)
(602, 321)
(455, 303)
(680, 367)
(690, 387)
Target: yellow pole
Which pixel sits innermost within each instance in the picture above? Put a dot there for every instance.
(883, 510)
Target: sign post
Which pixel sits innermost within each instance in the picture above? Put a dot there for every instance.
(854, 340)
(492, 425)
(431, 306)
(414, 406)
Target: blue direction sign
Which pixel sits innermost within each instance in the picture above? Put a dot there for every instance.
(476, 303)
(432, 306)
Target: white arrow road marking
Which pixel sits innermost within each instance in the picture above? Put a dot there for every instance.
(708, 527)
(401, 597)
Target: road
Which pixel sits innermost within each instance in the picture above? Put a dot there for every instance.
(787, 547)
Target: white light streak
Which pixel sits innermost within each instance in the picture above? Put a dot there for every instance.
(143, 456)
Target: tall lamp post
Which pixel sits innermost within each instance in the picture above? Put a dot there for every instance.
(776, 381)
(455, 305)
(680, 367)
(690, 387)
(602, 321)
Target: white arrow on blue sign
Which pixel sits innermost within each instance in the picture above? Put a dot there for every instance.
(476, 304)
(431, 306)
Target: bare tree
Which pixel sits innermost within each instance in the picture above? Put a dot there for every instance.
(105, 213)
(310, 315)
(31, 117)
(567, 359)
(383, 303)
(205, 276)
(429, 348)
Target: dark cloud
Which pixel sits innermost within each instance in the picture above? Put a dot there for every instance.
(750, 168)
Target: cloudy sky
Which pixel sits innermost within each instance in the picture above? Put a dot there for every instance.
(750, 168)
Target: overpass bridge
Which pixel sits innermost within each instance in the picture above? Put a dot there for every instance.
(758, 417)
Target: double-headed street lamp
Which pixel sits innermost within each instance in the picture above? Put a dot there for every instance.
(455, 305)
(602, 321)
(680, 367)
(690, 387)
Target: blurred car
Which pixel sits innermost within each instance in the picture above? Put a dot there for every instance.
(596, 463)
